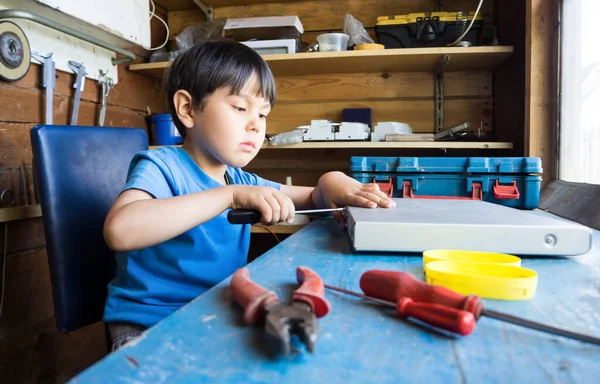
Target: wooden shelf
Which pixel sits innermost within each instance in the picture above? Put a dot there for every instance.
(20, 213)
(178, 5)
(387, 60)
(385, 144)
(286, 229)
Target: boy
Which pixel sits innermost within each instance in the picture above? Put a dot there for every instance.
(169, 225)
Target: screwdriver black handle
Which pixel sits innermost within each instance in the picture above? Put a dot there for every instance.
(243, 216)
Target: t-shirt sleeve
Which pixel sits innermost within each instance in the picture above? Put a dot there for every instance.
(147, 176)
(255, 180)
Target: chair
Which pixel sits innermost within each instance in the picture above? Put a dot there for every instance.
(79, 172)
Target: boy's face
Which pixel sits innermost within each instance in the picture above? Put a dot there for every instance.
(232, 127)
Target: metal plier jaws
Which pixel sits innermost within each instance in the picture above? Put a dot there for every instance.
(281, 320)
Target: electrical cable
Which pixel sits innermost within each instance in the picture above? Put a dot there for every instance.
(153, 14)
(469, 28)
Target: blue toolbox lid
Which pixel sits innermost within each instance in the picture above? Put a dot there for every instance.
(446, 164)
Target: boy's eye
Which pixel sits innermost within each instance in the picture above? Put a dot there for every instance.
(239, 108)
(262, 116)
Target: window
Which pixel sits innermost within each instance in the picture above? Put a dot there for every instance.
(579, 140)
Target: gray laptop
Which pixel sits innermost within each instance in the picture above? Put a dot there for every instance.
(415, 225)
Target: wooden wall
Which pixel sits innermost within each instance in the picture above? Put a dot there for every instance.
(31, 349)
(405, 97)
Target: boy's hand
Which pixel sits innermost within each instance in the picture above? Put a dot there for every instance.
(335, 189)
(274, 206)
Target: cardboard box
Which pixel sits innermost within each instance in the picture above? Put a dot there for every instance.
(264, 28)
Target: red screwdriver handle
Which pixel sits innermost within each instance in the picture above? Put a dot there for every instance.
(440, 316)
(311, 291)
(390, 286)
(251, 296)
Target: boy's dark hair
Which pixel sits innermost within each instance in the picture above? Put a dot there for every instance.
(206, 67)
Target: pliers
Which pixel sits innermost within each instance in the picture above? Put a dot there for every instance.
(282, 320)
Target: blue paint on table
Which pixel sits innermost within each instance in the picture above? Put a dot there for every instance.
(206, 340)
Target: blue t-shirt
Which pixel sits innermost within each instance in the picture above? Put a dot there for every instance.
(152, 283)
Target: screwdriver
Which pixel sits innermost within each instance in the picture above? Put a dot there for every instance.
(440, 316)
(252, 216)
(389, 286)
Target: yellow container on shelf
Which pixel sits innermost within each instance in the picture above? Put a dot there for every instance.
(368, 47)
(484, 257)
(488, 280)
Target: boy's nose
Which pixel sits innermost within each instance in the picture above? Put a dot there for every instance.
(253, 125)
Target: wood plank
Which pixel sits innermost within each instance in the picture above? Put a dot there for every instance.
(40, 354)
(317, 15)
(179, 20)
(27, 107)
(371, 86)
(24, 235)
(132, 91)
(542, 63)
(397, 145)
(15, 146)
(418, 113)
(509, 78)
(174, 5)
(388, 60)
(20, 213)
(278, 229)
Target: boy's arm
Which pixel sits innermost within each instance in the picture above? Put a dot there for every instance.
(335, 189)
(137, 220)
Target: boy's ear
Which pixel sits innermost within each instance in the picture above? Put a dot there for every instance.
(184, 108)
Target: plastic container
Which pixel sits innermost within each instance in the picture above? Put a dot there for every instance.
(501, 180)
(165, 132)
(333, 42)
(435, 29)
(461, 255)
(488, 280)
(368, 47)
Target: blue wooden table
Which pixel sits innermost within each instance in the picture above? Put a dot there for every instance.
(206, 341)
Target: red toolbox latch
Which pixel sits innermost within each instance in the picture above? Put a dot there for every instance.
(385, 187)
(476, 194)
(506, 192)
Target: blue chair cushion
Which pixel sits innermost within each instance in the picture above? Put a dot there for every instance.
(79, 172)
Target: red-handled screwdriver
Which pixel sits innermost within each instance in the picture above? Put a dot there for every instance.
(450, 319)
(389, 286)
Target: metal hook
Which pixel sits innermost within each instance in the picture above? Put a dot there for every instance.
(3, 202)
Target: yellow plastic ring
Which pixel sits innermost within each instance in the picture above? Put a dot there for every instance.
(483, 257)
(491, 281)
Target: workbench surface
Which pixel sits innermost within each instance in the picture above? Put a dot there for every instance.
(206, 341)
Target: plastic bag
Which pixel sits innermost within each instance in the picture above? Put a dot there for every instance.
(358, 34)
(285, 138)
(197, 33)
(159, 55)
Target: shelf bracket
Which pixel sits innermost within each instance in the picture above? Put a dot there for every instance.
(439, 93)
(208, 11)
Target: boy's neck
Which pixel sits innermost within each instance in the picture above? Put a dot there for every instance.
(209, 165)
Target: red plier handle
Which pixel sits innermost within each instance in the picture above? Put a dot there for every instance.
(255, 298)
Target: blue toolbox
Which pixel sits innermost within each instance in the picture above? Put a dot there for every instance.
(510, 181)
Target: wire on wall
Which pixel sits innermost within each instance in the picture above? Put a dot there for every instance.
(153, 15)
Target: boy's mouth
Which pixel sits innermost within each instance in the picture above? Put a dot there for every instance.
(248, 146)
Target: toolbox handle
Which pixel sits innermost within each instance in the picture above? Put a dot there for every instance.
(506, 192)
(385, 187)
(407, 193)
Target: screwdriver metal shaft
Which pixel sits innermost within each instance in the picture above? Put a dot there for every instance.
(540, 327)
(390, 285)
